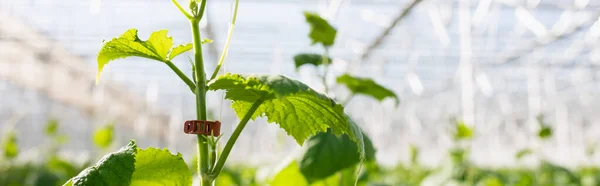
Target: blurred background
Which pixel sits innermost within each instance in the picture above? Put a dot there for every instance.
(495, 65)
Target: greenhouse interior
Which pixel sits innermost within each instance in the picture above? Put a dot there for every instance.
(333, 92)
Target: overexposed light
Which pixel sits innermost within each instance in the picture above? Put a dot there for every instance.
(356, 46)
(484, 84)
(580, 4)
(152, 93)
(481, 11)
(531, 22)
(415, 83)
(592, 35)
(438, 25)
(372, 17)
(563, 23)
(95, 6)
(533, 3)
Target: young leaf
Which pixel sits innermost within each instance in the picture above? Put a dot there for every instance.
(179, 49)
(103, 137)
(414, 154)
(113, 169)
(325, 154)
(298, 109)
(366, 86)
(304, 59)
(160, 167)
(157, 47)
(10, 146)
(545, 132)
(462, 131)
(523, 153)
(320, 30)
(206, 41)
(51, 127)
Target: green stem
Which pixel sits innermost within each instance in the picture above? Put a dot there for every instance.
(183, 77)
(185, 13)
(226, 47)
(234, 136)
(203, 165)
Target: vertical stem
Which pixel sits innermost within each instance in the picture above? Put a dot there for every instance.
(203, 166)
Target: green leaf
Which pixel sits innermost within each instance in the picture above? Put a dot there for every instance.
(289, 176)
(133, 166)
(10, 146)
(545, 132)
(206, 41)
(179, 50)
(462, 131)
(320, 30)
(325, 154)
(160, 167)
(312, 59)
(367, 86)
(103, 137)
(414, 154)
(523, 153)
(113, 169)
(157, 47)
(298, 109)
(51, 127)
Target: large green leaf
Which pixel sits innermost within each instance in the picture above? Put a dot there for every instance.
(113, 169)
(320, 30)
(103, 137)
(160, 167)
(133, 166)
(312, 59)
(10, 146)
(326, 153)
(289, 176)
(298, 109)
(157, 47)
(367, 86)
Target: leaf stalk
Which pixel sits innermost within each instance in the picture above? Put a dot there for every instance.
(181, 75)
(226, 47)
(234, 136)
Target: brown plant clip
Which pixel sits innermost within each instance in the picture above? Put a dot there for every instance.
(202, 127)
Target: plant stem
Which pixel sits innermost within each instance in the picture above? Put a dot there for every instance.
(200, 100)
(185, 13)
(226, 47)
(183, 77)
(234, 136)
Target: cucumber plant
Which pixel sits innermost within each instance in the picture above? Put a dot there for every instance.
(297, 108)
(327, 158)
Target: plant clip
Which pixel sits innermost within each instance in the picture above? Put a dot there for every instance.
(202, 127)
